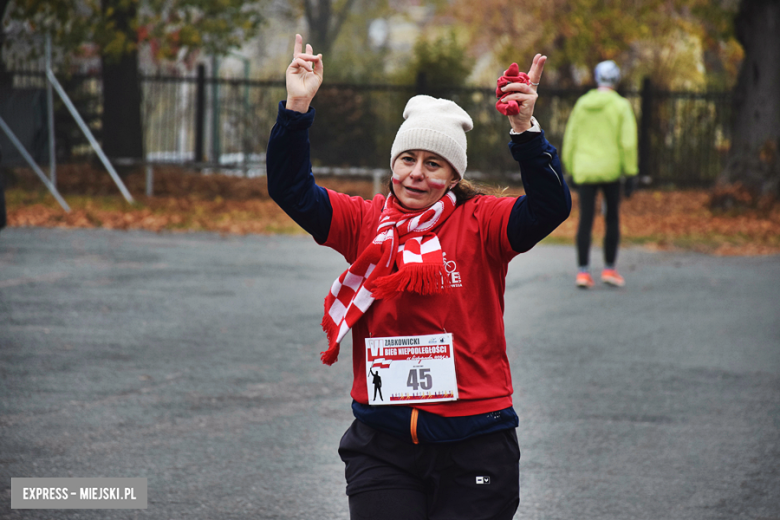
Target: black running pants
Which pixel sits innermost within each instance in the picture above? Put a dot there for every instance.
(611, 191)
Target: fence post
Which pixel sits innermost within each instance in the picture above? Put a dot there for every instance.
(646, 125)
(149, 180)
(50, 113)
(421, 84)
(216, 144)
(200, 112)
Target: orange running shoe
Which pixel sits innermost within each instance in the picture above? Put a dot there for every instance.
(612, 277)
(584, 280)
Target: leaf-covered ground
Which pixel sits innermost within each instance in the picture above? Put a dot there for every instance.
(186, 201)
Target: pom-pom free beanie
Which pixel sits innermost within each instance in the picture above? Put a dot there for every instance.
(434, 125)
(607, 74)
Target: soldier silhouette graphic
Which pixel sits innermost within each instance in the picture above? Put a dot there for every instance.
(377, 383)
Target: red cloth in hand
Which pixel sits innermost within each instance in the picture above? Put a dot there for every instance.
(511, 75)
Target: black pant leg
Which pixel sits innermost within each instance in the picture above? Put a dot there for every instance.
(587, 206)
(388, 504)
(612, 221)
(477, 478)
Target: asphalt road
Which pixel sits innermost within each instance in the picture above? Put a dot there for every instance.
(192, 360)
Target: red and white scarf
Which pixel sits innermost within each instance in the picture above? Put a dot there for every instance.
(405, 256)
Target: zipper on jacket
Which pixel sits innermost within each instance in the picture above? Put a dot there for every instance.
(413, 425)
(553, 169)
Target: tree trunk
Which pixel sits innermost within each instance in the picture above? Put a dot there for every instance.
(122, 130)
(752, 174)
(324, 23)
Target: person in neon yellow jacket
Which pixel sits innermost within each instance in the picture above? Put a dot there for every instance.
(599, 147)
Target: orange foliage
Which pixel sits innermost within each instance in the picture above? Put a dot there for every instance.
(234, 205)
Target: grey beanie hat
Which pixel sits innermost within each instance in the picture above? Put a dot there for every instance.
(607, 74)
(434, 125)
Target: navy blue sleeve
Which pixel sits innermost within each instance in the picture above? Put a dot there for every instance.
(290, 180)
(547, 202)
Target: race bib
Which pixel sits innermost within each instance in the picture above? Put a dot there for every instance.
(410, 369)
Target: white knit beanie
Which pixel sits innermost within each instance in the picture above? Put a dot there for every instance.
(434, 125)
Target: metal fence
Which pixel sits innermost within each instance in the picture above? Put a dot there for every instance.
(225, 123)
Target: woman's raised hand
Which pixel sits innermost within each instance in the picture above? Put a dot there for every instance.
(303, 76)
(525, 95)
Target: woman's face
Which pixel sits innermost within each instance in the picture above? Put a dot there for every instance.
(421, 178)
